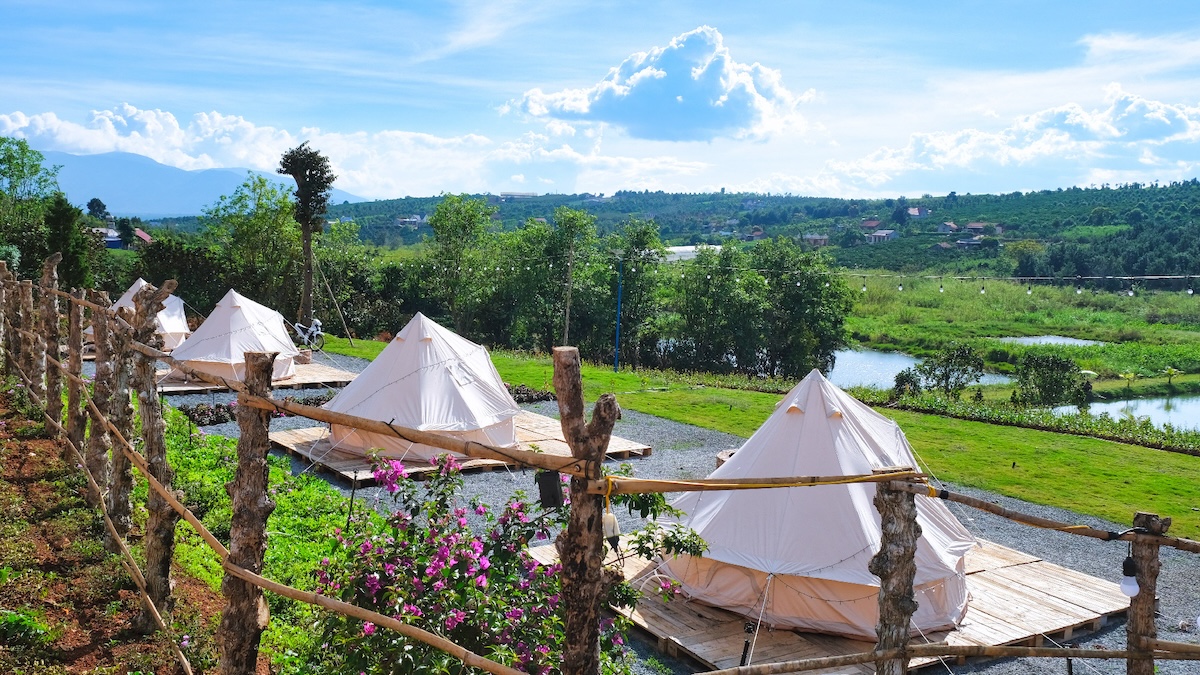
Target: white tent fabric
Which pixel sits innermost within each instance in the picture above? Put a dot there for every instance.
(430, 379)
(171, 321)
(237, 325)
(806, 549)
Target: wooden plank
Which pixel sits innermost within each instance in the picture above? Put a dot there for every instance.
(308, 376)
(990, 556)
(1016, 599)
(1098, 596)
(314, 445)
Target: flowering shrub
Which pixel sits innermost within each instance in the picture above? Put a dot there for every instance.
(427, 567)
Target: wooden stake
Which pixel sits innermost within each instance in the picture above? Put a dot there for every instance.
(120, 416)
(5, 316)
(98, 443)
(246, 616)
(11, 320)
(33, 347)
(895, 565)
(76, 417)
(52, 342)
(160, 526)
(581, 545)
(1140, 626)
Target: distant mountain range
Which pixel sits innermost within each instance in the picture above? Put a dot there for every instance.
(135, 185)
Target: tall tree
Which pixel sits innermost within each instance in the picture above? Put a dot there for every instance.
(458, 223)
(125, 229)
(97, 209)
(65, 234)
(639, 250)
(806, 308)
(314, 183)
(254, 232)
(575, 236)
(26, 187)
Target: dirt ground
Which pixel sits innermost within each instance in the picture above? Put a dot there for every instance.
(66, 605)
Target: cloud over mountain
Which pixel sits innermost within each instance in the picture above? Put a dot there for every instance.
(690, 90)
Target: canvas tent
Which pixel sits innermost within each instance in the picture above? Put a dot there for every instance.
(431, 379)
(798, 556)
(237, 325)
(171, 322)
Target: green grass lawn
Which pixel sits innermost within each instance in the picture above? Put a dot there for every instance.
(1088, 475)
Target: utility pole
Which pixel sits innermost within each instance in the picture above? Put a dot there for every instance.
(617, 346)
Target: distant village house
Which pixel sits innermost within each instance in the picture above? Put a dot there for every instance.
(918, 212)
(980, 228)
(947, 228)
(880, 236)
(816, 240)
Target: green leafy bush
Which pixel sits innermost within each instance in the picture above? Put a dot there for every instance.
(24, 628)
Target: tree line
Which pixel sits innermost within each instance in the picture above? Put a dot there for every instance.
(769, 309)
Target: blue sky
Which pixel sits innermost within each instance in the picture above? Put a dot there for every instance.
(815, 98)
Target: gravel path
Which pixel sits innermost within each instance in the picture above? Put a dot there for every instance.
(684, 451)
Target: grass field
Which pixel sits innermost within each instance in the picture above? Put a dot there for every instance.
(1145, 333)
(1092, 476)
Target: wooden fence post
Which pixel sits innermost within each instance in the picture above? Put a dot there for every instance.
(246, 615)
(120, 414)
(33, 350)
(895, 565)
(76, 418)
(53, 340)
(98, 442)
(160, 526)
(5, 317)
(1139, 629)
(581, 545)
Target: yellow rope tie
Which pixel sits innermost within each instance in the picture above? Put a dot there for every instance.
(933, 492)
(608, 494)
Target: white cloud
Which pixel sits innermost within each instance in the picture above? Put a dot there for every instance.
(382, 164)
(690, 90)
(1131, 134)
(209, 140)
(1146, 54)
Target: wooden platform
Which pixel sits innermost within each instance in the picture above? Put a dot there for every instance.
(308, 376)
(1016, 599)
(533, 430)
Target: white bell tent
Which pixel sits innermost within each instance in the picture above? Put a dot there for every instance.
(798, 556)
(431, 379)
(171, 322)
(237, 325)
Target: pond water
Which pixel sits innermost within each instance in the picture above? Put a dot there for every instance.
(1049, 340)
(870, 368)
(1182, 412)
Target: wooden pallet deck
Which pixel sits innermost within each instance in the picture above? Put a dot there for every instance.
(533, 430)
(1016, 599)
(308, 376)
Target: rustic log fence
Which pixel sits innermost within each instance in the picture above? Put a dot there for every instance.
(126, 352)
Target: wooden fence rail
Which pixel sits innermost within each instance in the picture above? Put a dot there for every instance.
(31, 352)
